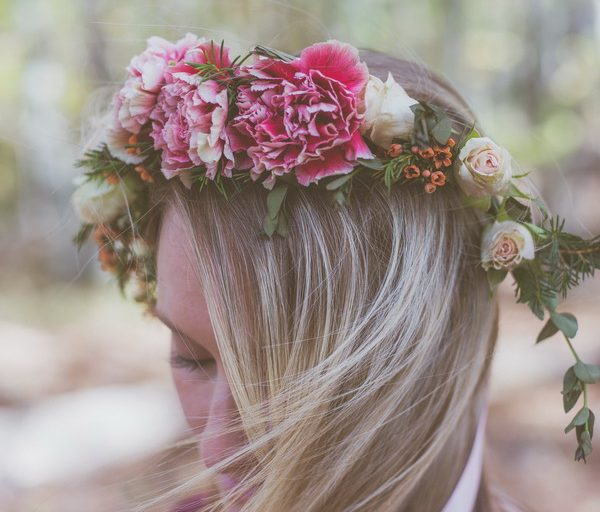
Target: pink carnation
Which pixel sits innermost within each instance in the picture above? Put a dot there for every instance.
(188, 123)
(147, 73)
(302, 114)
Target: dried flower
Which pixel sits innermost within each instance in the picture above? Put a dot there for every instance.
(430, 188)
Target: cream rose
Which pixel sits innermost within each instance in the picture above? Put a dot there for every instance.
(485, 167)
(98, 202)
(505, 244)
(387, 111)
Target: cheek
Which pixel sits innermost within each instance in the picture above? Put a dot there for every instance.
(195, 394)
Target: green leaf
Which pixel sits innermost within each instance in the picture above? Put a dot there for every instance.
(481, 203)
(588, 373)
(514, 191)
(550, 301)
(585, 446)
(371, 163)
(580, 419)
(269, 225)
(569, 380)
(282, 226)
(340, 197)
(516, 210)
(442, 130)
(495, 277)
(536, 230)
(548, 330)
(591, 420)
(570, 398)
(82, 235)
(337, 183)
(565, 322)
(275, 198)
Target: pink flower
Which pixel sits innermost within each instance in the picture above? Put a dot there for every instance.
(302, 114)
(188, 123)
(147, 73)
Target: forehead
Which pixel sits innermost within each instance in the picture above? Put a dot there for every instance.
(180, 298)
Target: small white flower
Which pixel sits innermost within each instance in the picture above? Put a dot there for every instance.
(98, 202)
(387, 111)
(485, 168)
(505, 244)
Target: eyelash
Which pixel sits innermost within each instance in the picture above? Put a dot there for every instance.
(178, 361)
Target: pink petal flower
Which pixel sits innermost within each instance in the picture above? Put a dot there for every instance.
(301, 114)
(336, 60)
(188, 124)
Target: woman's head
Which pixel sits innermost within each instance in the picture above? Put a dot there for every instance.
(346, 361)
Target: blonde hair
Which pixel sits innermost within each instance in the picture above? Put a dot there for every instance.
(358, 348)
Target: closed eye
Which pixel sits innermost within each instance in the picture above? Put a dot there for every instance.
(179, 361)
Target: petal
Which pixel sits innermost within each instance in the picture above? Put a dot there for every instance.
(333, 162)
(336, 60)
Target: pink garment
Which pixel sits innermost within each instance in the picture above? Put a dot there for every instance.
(465, 493)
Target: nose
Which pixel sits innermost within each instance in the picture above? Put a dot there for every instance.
(215, 443)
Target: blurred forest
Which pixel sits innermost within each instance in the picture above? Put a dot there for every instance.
(85, 393)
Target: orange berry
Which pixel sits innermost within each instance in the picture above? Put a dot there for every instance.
(112, 179)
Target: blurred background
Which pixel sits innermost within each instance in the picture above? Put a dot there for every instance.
(88, 415)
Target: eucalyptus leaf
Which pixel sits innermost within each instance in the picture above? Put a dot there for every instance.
(547, 331)
(495, 277)
(340, 197)
(371, 163)
(586, 443)
(565, 322)
(337, 183)
(570, 398)
(569, 380)
(282, 225)
(580, 419)
(269, 225)
(588, 373)
(275, 198)
(481, 203)
(442, 130)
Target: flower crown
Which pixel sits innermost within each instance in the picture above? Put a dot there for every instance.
(188, 110)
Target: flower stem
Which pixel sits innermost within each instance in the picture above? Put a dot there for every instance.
(572, 349)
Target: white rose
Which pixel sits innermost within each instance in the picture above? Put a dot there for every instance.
(485, 167)
(98, 202)
(505, 244)
(387, 111)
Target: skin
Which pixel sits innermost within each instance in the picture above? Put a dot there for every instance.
(197, 368)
